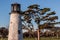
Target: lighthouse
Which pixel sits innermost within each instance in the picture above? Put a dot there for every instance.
(15, 27)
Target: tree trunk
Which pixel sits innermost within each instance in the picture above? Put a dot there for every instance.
(38, 31)
(57, 35)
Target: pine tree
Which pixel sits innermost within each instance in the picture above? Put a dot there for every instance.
(44, 18)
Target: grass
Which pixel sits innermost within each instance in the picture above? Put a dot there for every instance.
(49, 38)
(42, 38)
(3, 39)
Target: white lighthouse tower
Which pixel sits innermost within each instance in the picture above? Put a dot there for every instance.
(15, 27)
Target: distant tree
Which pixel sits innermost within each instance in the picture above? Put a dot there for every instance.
(3, 32)
(42, 17)
(30, 30)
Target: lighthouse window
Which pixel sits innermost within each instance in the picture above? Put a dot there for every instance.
(18, 31)
(18, 8)
(15, 8)
(12, 8)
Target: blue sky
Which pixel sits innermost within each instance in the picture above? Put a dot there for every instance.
(5, 7)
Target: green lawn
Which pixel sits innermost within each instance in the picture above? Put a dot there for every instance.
(42, 38)
(49, 38)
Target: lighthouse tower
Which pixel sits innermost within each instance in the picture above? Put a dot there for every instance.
(15, 27)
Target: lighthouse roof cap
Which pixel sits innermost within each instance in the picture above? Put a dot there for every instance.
(15, 3)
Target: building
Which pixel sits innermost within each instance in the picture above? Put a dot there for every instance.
(15, 27)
